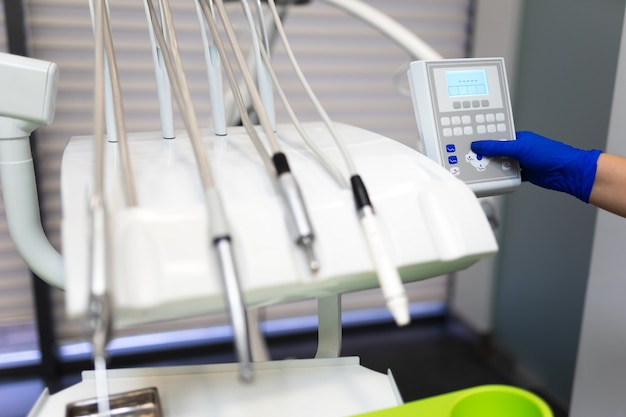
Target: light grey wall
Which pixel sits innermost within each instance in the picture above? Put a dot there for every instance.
(565, 77)
(601, 366)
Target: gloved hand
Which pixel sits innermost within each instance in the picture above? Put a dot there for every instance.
(546, 162)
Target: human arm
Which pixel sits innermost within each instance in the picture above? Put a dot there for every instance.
(589, 175)
(609, 187)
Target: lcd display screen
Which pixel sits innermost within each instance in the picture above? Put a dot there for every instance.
(462, 83)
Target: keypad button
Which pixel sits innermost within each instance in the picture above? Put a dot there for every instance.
(445, 121)
(447, 132)
(501, 127)
(475, 103)
(456, 120)
(453, 160)
(500, 117)
(450, 148)
(466, 104)
(484, 103)
(481, 129)
(491, 128)
(468, 130)
(458, 131)
(466, 120)
(456, 105)
(480, 118)
(490, 118)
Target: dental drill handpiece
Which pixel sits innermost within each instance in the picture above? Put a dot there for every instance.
(219, 228)
(300, 222)
(99, 314)
(391, 284)
(221, 239)
(388, 275)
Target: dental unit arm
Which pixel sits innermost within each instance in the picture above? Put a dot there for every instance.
(29, 88)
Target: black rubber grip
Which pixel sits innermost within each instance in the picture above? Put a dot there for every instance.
(280, 163)
(361, 199)
(218, 239)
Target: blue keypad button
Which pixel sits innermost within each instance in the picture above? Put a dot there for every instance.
(450, 148)
(453, 160)
(479, 157)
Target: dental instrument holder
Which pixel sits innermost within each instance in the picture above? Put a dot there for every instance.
(433, 223)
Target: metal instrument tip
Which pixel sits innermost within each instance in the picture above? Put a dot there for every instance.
(307, 246)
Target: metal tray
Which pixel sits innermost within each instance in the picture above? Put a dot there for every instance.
(140, 403)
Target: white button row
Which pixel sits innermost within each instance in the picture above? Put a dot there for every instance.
(465, 120)
(456, 120)
(469, 130)
(500, 127)
(489, 117)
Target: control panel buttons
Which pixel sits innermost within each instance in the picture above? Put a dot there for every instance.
(477, 161)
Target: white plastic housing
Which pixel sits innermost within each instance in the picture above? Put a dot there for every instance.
(456, 102)
(163, 262)
(28, 89)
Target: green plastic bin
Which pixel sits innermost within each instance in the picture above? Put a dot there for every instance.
(481, 401)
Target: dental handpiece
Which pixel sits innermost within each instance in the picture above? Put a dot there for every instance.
(388, 276)
(300, 223)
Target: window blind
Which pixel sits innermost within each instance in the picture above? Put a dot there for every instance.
(349, 65)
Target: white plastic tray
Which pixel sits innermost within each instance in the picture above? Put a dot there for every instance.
(306, 387)
(163, 268)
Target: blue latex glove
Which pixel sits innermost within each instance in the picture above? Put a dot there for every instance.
(546, 162)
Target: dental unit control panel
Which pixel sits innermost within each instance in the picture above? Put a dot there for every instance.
(456, 102)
